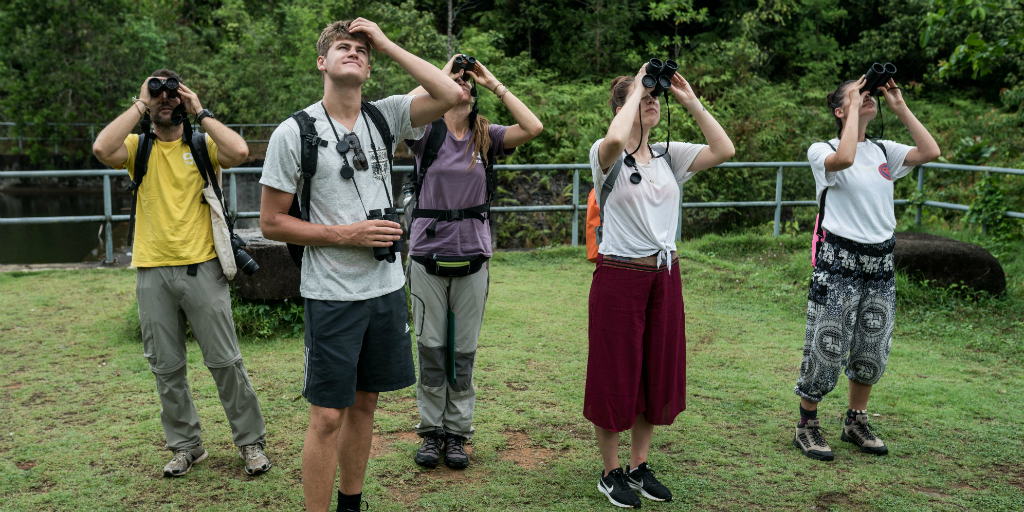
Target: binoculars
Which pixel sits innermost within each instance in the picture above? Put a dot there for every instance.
(877, 76)
(386, 253)
(159, 85)
(464, 63)
(659, 75)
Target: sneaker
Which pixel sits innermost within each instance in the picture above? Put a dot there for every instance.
(810, 441)
(354, 507)
(430, 451)
(859, 433)
(641, 478)
(183, 461)
(256, 461)
(455, 455)
(614, 486)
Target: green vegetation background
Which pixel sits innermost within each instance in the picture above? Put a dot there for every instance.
(763, 67)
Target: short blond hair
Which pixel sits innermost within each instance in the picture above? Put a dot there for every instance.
(339, 30)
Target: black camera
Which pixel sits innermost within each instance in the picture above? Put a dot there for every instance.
(242, 260)
(659, 75)
(877, 76)
(386, 253)
(464, 63)
(159, 85)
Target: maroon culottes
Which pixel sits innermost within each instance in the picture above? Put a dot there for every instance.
(637, 360)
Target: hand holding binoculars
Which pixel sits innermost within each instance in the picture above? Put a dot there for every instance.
(386, 253)
(659, 75)
(464, 63)
(877, 76)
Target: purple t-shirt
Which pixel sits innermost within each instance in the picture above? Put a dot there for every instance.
(451, 184)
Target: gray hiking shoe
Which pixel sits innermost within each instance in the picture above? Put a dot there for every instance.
(184, 460)
(256, 461)
(430, 451)
(455, 455)
(810, 441)
(859, 433)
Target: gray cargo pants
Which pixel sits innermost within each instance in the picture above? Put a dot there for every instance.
(167, 297)
(441, 403)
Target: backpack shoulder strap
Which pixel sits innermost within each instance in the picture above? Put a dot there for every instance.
(382, 128)
(882, 147)
(310, 143)
(606, 190)
(142, 152)
(830, 145)
(659, 151)
(438, 131)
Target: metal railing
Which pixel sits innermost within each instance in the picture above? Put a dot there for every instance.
(575, 207)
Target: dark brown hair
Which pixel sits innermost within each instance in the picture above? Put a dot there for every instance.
(339, 30)
(835, 100)
(621, 87)
(165, 73)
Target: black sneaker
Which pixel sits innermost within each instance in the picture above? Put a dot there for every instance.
(455, 455)
(430, 451)
(614, 486)
(642, 479)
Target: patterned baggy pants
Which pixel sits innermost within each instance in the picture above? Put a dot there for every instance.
(851, 312)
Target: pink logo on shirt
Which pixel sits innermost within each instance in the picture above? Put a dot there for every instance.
(884, 171)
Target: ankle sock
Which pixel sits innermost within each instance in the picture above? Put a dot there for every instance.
(807, 415)
(851, 415)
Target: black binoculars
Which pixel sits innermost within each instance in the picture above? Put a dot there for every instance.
(159, 85)
(464, 63)
(243, 261)
(659, 75)
(386, 253)
(877, 76)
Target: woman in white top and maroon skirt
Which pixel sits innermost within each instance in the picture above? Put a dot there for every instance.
(636, 368)
(852, 301)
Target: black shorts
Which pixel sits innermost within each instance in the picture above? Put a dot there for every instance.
(356, 346)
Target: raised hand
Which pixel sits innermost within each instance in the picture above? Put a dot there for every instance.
(638, 83)
(682, 91)
(483, 76)
(379, 41)
(892, 93)
(190, 99)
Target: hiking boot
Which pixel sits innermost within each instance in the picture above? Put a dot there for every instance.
(614, 486)
(430, 451)
(859, 433)
(256, 461)
(183, 461)
(810, 441)
(641, 478)
(455, 455)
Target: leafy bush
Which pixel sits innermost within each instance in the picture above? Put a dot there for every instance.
(253, 319)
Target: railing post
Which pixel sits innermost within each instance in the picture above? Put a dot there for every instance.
(984, 225)
(679, 223)
(234, 198)
(92, 134)
(920, 187)
(575, 207)
(107, 211)
(778, 201)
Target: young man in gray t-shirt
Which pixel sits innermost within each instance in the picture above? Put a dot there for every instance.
(357, 333)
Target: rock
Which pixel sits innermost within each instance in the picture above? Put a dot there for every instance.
(945, 261)
(277, 278)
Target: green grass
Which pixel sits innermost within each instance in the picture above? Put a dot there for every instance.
(79, 417)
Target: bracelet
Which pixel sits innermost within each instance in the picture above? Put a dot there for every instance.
(135, 103)
(496, 88)
(501, 97)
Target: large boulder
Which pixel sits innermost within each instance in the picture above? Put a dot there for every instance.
(944, 261)
(277, 278)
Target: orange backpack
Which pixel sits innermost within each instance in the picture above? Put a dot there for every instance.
(593, 221)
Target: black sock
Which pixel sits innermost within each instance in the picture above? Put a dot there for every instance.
(807, 415)
(345, 500)
(851, 415)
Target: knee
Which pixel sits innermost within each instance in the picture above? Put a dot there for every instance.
(365, 404)
(324, 422)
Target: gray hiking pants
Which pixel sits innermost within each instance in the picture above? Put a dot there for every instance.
(443, 404)
(167, 297)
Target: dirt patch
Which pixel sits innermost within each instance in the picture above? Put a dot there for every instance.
(830, 499)
(460, 476)
(517, 386)
(931, 492)
(25, 466)
(1015, 473)
(963, 486)
(16, 385)
(523, 453)
(405, 494)
(382, 444)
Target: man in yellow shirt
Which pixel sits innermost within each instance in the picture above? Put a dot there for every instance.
(179, 274)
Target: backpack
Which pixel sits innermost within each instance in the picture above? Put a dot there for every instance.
(819, 232)
(595, 204)
(311, 144)
(438, 132)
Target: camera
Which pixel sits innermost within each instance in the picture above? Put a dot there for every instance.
(465, 63)
(242, 260)
(877, 76)
(386, 253)
(659, 75)
(159, 85)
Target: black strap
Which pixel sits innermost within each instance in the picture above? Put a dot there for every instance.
(371, 111)
(474, 212)
(192, 269)
(438, 131)
(309, 152)
(142, 152)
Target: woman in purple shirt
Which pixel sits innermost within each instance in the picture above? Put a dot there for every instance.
(450, 243)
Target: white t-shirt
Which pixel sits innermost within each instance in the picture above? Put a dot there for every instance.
(640, 220)
(859, 203)
(341, 272)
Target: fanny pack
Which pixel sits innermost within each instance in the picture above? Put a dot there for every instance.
(451, 266)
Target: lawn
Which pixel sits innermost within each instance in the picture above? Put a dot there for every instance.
(79, 416)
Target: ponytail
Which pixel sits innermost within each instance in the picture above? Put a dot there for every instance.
(835, 100)
(621, 87)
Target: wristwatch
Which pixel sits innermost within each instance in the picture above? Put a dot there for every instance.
(203, 114)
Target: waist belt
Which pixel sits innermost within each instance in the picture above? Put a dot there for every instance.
(475, 212)
(442, 266)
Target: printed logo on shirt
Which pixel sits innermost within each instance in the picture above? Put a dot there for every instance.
(188, 159)
(379, 163)
(884, 171)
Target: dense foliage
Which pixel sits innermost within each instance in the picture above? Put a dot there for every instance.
(763, 67)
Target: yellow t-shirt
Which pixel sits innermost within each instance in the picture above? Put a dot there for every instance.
(172, 219)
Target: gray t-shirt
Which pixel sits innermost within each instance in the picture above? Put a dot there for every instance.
(342, 272)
